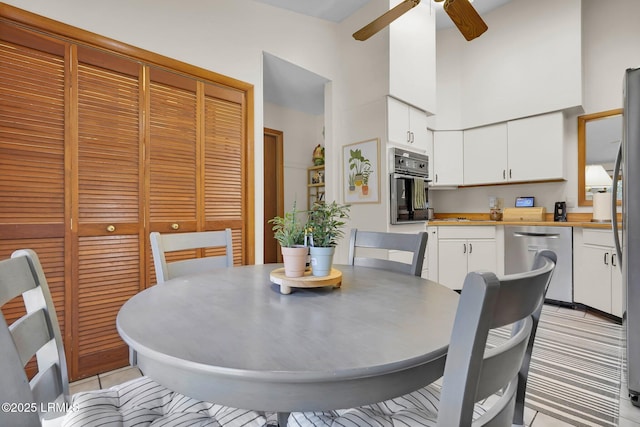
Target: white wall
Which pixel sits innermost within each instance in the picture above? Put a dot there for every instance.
(301, 133)
(610, 37)
(526, 63)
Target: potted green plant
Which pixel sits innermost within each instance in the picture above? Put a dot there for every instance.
(325, 224)
(289, 232)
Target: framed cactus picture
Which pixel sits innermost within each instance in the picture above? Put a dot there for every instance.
(361, 172)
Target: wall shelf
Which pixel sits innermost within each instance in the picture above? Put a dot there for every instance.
(315, 185)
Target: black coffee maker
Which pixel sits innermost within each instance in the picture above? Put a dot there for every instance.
(560, 212)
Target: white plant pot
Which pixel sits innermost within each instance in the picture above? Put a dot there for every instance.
(321, 260)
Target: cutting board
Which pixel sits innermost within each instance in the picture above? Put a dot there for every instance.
(525, 214)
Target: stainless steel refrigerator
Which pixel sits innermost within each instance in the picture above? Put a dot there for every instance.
(628, 168)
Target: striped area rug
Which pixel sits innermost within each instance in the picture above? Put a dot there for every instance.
(575, 369)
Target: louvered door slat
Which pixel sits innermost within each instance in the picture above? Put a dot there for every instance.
(224, 191)
(108, 276)
(223, 153)
(173, 131)
(31, 136)
(109, 145)
(108, 263)
(32, 176)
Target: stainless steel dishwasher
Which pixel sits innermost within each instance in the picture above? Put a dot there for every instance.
(521, 244)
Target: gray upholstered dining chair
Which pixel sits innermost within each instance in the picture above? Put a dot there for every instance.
(44, 399)
(416, 244)
(161, 244)
(473, 371)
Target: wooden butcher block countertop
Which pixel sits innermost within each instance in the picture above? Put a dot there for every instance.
(573, 220)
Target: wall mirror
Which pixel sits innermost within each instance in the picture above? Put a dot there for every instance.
(599, 136)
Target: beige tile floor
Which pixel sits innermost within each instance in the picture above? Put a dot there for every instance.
(629, 414)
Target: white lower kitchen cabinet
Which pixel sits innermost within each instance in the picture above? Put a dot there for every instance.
(463, 249)
(598, 280)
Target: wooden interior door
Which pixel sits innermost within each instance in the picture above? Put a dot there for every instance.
(225, 167)
(273, 184)
(32, 159)
(172, 158)
(108, 239)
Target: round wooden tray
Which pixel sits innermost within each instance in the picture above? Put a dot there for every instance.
(307, 281)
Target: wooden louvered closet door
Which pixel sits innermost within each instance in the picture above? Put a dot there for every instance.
(97, 149)
(224, 191)
(108, 170)
(172, 158)
(32, 156)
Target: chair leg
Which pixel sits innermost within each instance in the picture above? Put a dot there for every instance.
(283, 417)
(133, 357)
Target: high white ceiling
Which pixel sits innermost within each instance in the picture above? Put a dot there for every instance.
(290, 86)
(330, 10)
(338, 10)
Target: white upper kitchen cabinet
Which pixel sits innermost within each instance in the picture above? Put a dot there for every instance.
(447, 158)
(412, 57)
(407, 126)
(536, 148)
(485, 154)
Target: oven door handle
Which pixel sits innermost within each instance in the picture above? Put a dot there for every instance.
(399, 175)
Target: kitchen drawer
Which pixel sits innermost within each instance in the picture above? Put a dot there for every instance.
(467, 232)
(598, 237)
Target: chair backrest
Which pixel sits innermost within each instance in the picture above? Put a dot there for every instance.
(161, 244)
(414, 243)
(471, 373)
(36, 333)
(523, 377)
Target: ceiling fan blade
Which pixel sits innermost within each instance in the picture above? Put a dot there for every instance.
(466, 18)
(384, 19)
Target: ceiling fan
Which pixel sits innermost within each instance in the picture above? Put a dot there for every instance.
(461, 13)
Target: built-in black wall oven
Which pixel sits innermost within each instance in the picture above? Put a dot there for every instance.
(409, 182)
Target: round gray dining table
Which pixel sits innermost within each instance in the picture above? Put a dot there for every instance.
(230, 337)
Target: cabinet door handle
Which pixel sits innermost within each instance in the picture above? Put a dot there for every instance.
(504, 174)
(175, 226)
(413, 137)
(509, 173)
(111, 228)
(408, 136)
(470, 247)
(606, 257)
(436, 177)
(613, 260)
(464, 248)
